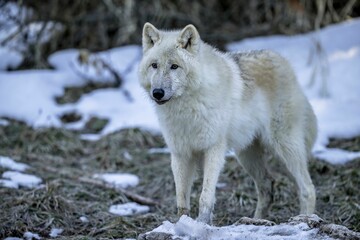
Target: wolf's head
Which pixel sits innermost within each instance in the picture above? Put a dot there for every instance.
(169, 67)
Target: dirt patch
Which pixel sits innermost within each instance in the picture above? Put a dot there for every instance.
(62, 160)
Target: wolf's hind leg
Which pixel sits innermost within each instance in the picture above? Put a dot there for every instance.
(291, 150)
(254, 162)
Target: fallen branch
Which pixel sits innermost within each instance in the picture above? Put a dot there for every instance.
(131, 195)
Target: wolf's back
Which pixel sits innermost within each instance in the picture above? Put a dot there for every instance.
(273, 74)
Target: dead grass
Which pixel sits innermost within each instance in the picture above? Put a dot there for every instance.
(60, 158)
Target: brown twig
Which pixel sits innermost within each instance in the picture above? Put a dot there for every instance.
(131, 195)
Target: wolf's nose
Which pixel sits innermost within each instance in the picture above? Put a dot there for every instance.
(158, 93)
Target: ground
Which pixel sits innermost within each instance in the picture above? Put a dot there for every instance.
(62, 160)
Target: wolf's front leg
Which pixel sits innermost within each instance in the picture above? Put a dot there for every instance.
(183, 168)
(213, 163)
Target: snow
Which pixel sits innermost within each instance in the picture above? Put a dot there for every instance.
(8, 183)
(6, 162)
(16, 40)
(127, 156)
(55, 232)
(337, 156)
(159, 151)
(22, 179)
(14, 178)
(89, 137)
(84, 219)
(30, 236)
(4, 122)
(42, 86)
(120, 180)
(9, 59)
(187, 228)
(128, 209)
(30, 95)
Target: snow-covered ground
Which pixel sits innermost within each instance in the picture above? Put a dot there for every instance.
(188, 228)
(6, 162)
(300, 227)
(30, 95)
(16, 178)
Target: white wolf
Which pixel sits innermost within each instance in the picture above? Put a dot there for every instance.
(209, 101)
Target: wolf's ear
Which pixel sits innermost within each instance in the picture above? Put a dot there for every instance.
(189, 39)
(150, 36)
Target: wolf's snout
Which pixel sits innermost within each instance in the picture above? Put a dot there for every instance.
(158, 93)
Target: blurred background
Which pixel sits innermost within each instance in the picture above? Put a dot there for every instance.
(100, 25)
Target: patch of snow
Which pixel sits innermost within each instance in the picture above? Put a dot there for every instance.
(188, 228)
(230, 154)
(90, 137)
(4, 122)
(113, 105)
(9, 184)
(159, 150)
(13, 238)
(31, 236)
(9, 59)
(22, 179)
(221, 185)
(84, 219)
(9, 163)
(127, 156)
(337, 156)
(55, 232)
(128, 209)
(30, 94)
(120, 180)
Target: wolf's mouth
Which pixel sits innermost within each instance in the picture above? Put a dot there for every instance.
(161, 102)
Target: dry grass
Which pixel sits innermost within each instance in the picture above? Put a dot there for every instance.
(60, 159)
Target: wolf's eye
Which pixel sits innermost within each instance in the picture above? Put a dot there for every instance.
(154, 65)
(174, 66)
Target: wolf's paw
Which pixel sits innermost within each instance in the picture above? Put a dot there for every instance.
(254, 221)
(205, 218)
(183, 211)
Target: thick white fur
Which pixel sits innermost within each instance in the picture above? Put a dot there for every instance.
(249, 102)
